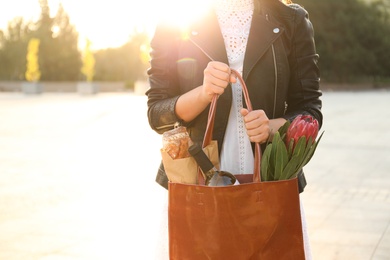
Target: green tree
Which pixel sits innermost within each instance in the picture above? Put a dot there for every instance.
(13, 49)
(33, 74)
(352, 38)
(48, 48)
(137, 49)
(88, 68)
(68, 58)
(59, 56)
(124, 63)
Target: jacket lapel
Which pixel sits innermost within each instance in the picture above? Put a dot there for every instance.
(263, 33)
(207, 36)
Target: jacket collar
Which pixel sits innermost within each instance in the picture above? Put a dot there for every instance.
(262, 35)
(206, 35)
(277, 8)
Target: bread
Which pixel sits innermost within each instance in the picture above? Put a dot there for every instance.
(176, 142)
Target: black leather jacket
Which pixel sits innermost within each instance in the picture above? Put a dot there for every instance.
(280, 69)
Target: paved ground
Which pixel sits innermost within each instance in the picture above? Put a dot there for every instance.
(77, 178)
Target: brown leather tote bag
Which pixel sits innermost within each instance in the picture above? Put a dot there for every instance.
(253, 220)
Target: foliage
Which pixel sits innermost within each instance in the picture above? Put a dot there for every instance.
(65, 43)
(33, 74)
(13, 50)
(292, 147)
(59, 58)
(88, 68)
(59, 55)
(352, 38)
(124, 63)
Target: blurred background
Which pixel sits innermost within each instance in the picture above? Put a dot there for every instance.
(78, 159)
(352, 38)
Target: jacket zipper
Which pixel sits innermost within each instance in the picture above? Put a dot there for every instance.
(276, 72)
(165, 126)
(276, 79)
(174, 125)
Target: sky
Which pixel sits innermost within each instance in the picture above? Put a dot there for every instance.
(107, 23)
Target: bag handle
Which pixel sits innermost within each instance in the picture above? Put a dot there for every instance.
(210, 126)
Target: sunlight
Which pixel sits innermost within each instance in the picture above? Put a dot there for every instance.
(13, 9)
(106, 25)
(110, 23)
(181, 13)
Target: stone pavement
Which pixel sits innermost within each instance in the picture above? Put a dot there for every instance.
(77, 178)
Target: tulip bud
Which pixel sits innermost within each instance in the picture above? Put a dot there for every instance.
(302, 125)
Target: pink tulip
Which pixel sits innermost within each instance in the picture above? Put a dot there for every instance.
(302, 125)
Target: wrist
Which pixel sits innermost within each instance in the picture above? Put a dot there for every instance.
(203, 96)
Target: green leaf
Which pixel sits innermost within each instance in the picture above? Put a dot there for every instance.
(311, 151)
(296, 159)
(274, 154)
(272, 160)
(308, 148)
(281, 158)
(264, 168)
(283, 129)
(290, 169)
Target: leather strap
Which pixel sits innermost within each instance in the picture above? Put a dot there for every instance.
(210, 126)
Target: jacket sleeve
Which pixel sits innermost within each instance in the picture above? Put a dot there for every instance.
(164, 91)
(304, 88)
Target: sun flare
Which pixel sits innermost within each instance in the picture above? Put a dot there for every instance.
(181, 13)
(111, 23)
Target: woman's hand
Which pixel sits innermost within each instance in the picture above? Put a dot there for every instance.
(217, 77)
(257, 125)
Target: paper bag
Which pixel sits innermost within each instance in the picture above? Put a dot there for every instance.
(185, 170)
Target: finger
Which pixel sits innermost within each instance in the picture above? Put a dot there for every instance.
(255, 114)
(217, 77)
(220, 66)
(222, 75)
(233, 78)
(221, 70)
(259, 134)
(244, 111)
(260, 138)
(252, 119)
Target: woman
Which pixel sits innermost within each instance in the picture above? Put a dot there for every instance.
(269, 42)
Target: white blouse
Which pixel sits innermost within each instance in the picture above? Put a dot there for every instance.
(235, 17)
